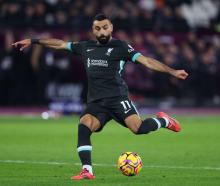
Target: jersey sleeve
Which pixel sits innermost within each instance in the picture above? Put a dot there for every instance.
(130, 53)
(75, 47)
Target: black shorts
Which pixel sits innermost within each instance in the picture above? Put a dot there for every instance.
(117, 108)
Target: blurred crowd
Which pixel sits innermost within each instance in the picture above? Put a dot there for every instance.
(30, 72)
(154, 15)
(180, 33)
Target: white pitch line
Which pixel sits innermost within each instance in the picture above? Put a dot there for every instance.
(109, 165)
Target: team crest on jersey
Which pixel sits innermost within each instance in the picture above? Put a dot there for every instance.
(108, 53)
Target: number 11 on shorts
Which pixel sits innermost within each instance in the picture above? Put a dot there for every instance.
(126, 105)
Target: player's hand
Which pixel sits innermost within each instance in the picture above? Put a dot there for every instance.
(181, 74)
(23, 43)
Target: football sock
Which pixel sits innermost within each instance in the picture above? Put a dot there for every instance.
(151, 124)
(88, 167)
(84, 147)
(166, 122)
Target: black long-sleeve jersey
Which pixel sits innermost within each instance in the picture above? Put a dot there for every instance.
(104, 66)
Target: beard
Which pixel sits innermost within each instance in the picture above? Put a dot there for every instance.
(103, 39)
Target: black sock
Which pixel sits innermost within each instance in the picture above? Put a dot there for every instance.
(84, 144)
(151, 124)
(162, 122)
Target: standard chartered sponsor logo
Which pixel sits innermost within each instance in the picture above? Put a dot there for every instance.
(97, 62)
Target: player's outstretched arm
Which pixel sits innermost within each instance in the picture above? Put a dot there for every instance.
(158, 66)
(50, 43)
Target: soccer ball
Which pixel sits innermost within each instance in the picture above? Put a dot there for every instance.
(129, 163)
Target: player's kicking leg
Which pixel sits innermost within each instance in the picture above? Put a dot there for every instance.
(163, 120)
(130, 117)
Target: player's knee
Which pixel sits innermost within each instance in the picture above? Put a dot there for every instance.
(87, 121)
(91, 122)
(133, 123)
(134, 129)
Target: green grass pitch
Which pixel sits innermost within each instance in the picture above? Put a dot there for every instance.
(43, 152)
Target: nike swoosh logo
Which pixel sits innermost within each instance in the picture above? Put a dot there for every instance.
(127, 111)
(88, 50)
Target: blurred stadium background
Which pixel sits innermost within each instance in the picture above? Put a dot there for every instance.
(180, 33)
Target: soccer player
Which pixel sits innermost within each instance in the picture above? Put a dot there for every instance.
(104, 60)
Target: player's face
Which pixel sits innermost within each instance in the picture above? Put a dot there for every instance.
(102, 30)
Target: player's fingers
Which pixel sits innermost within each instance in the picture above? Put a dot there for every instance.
(15, 44)
(184, 76)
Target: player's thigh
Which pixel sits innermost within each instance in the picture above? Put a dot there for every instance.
(95, 117)
(125, 112)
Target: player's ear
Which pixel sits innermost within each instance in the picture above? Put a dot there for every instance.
(111, 25)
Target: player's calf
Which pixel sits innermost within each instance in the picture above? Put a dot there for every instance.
(151, 124)
(137, 126)
(84, 146)
(88, 124)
